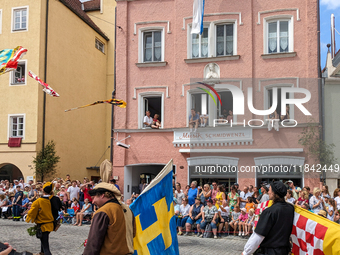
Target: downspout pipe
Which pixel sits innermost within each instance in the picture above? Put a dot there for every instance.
(45, 76)
(114, 90)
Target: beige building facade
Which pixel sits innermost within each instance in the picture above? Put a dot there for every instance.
(70, 46)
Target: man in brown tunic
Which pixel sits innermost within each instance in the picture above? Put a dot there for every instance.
(113, 225)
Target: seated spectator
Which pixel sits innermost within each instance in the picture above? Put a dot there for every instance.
(147, 121)
(25, 203)
(242, 218)
(204, 119)
(289, 197)
(230, 116)
(156, 124)
(186, 191)
(249, 223)
(235, 218)
(316, 202)
(3, 204)
(86, 210)
(183, 215)
(75, 206)
(195, 216)
(223, 213)
(205, 194)
(250, 204)
(224, 114)
(209, 215)
(193, 120)
(271, 123)
(303, 198)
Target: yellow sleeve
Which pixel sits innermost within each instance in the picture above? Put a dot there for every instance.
(33, 212)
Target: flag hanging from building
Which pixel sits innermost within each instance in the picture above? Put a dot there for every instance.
(9, 59)
(197, 17)
(311, 233)
(154, 214)
(46, 87)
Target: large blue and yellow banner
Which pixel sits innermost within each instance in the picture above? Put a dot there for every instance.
(154, 213)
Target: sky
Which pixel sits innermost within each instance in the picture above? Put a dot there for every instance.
(327, 7)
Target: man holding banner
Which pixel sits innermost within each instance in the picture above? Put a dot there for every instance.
(274, 226)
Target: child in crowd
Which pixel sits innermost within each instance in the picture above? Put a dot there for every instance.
(249, 223)
(235, 218)
(289, 197)
(75, 206)
(329, 207)
(242, 218)
(250, 204)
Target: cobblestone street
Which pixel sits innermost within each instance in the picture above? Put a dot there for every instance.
(68, 240)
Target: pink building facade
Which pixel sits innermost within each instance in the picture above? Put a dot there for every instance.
(264, 45)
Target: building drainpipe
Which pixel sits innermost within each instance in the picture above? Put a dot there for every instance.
(114, 90)
(45, 75)
(321, 82)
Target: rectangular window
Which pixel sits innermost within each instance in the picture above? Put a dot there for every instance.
(152, 46)
(224, 40)
(278, 108)
(20, 19)
(18, 76)
(153, 104)
(200, 103)
(200, 44)
(278, 36)
(225, 111)
(100, 46)
(16, 126)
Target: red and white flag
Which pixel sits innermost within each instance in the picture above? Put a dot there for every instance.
(311, 233)
(46, 87)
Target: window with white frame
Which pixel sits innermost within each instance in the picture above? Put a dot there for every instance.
(16, 126)
(18, 77)
(224, 39)
(100, 46)
(153, 103)
(152, 46)
(20, 19)
(270, 99)
(200, 103)
(279, 36)
(200, 44)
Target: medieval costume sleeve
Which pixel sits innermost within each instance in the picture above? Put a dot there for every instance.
(100, 223)
(41, 213)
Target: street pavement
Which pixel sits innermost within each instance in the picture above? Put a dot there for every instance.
(68, 240)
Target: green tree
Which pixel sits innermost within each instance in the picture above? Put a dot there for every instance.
(45, 163)
(318, 148)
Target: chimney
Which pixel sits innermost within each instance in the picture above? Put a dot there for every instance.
(333, 36)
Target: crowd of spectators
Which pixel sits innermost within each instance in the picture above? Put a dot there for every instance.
(16, 198)
(233, 213)
(228, 213)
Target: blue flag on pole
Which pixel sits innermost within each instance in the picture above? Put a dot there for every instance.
(197, 17)
(154, 214)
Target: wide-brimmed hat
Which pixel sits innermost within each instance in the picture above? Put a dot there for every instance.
(108, 187)
(322, 213)
(198, 198)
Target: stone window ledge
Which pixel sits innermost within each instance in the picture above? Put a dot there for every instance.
(279, 55)
(211, 59)
(151, 64)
